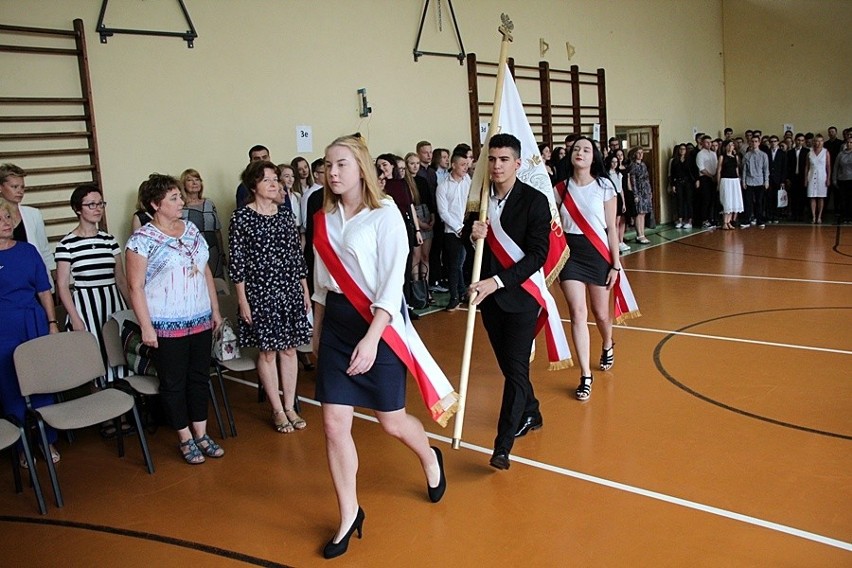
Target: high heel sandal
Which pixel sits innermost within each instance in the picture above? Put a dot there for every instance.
(435, 493)
(334, 549)
(298, 423)
(584, 391)
(305, 361)
(190, 452)
(281, 426)
(608, 357)
(208, 447)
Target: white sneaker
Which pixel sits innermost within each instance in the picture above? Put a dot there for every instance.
(753, 222)
(678, 225)
(623, 247)
(687, 225)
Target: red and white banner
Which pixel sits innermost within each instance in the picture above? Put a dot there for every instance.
(436, 390)
(508, 253)
(514, 121)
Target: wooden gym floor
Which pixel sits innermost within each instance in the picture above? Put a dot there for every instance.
(721, 437)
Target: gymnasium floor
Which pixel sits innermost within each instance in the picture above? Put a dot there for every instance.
(721, 437)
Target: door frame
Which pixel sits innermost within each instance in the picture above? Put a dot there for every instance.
(652, 160)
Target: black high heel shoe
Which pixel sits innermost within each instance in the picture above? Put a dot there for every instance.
(304, 361)
(435, 493)
(334, 549)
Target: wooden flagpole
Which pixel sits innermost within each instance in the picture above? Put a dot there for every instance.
(506, 30)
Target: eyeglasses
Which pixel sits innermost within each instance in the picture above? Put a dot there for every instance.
(95, 205)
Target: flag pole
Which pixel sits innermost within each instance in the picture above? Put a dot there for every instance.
(505, 30)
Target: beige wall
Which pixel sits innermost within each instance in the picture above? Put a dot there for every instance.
(787, 61)
(261, 67)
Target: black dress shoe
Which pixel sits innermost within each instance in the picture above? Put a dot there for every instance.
(334, 549)
(500, 459)
(435, 493)
(528, 424)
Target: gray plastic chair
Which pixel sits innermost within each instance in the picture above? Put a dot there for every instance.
(9, 434)
(63, 361)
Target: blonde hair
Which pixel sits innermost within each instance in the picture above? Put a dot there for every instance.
(371, 193)
(10, 170)
(409, 179)
(8, 207)
(187, 173)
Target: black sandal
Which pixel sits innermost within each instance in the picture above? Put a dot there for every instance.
(210, 448)
(607, 357)
(584, 391)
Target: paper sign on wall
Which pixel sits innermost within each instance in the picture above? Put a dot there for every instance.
(788, 127)
(596, 132)
(483, 132)
(694, 131)
(304, 139)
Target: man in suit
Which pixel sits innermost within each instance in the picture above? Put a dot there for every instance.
(797, 160)
(509, 312)
(777, 175)
(257, 153)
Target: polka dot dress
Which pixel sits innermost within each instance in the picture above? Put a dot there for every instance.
(266, 256)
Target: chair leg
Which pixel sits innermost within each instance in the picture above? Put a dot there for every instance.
(119, 436)
(51, 468)
(16, 469)
(28, 456)
(216, 410)
(142, 441)
(226, 402)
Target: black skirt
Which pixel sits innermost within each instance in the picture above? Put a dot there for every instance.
(382, 388)
(585, 263)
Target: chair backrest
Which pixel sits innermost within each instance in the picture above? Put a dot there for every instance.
(221, 286)
(228, 307)
(58, 362)
(113, 345)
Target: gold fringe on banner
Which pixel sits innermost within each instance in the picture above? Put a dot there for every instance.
(629, 315)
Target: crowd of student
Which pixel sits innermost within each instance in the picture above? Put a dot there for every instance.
(740, 178)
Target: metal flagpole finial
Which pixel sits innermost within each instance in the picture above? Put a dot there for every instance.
(506, 27)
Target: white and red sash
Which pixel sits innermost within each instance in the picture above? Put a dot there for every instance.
(626, 306)
(436, 390)
(507, 253)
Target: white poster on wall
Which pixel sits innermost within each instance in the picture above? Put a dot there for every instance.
(304, 139)
(596, 132)
(483, 131)
(788, 127)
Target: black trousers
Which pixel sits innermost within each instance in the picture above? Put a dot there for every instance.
(511, 336)
(183, 367)
(770, 205)
(843, 201)
(683, 199)
(797, 196)
(708, 199)
(454, 254)
(759, 194)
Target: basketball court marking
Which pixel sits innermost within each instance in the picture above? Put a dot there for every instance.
(711, 275)
(777, 527)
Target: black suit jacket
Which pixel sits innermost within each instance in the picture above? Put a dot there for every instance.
(791, 162)
(777, 167)
(525, 217)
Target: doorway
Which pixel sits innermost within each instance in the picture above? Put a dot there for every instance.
(648, 138)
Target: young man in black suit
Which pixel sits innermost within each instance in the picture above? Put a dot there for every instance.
(777, 175)
(509, 312)
(797, 160)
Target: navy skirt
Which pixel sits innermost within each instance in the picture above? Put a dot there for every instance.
(585, 263)
(382, 388)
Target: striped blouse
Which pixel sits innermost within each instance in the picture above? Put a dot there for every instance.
(92, 258)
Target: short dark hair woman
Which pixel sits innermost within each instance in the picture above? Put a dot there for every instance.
(173, 296)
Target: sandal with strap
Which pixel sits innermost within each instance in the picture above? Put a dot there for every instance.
(584, 391)
(298, 423)
(208, 447)
(607, 357)
(281, 426)
(190, 452)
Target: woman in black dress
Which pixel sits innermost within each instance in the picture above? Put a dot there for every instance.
(355, 366)
(682, 183)
(268, 271)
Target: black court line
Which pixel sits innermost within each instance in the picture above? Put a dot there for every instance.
(837, 244)
(207, 549)
(659, 348)
(680, 241)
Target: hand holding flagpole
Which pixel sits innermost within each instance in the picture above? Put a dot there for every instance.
(506, 30)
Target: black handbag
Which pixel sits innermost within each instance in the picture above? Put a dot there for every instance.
(420, 288)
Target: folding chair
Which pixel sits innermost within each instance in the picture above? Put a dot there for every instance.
(59, 362)
(11, 432)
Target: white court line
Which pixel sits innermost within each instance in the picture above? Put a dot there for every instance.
(708, 274)
(720, 338)
(777, 527)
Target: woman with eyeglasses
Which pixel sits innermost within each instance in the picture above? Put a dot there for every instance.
(90, 259)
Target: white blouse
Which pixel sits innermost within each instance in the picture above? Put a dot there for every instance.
(590, 201)
(373, 247)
